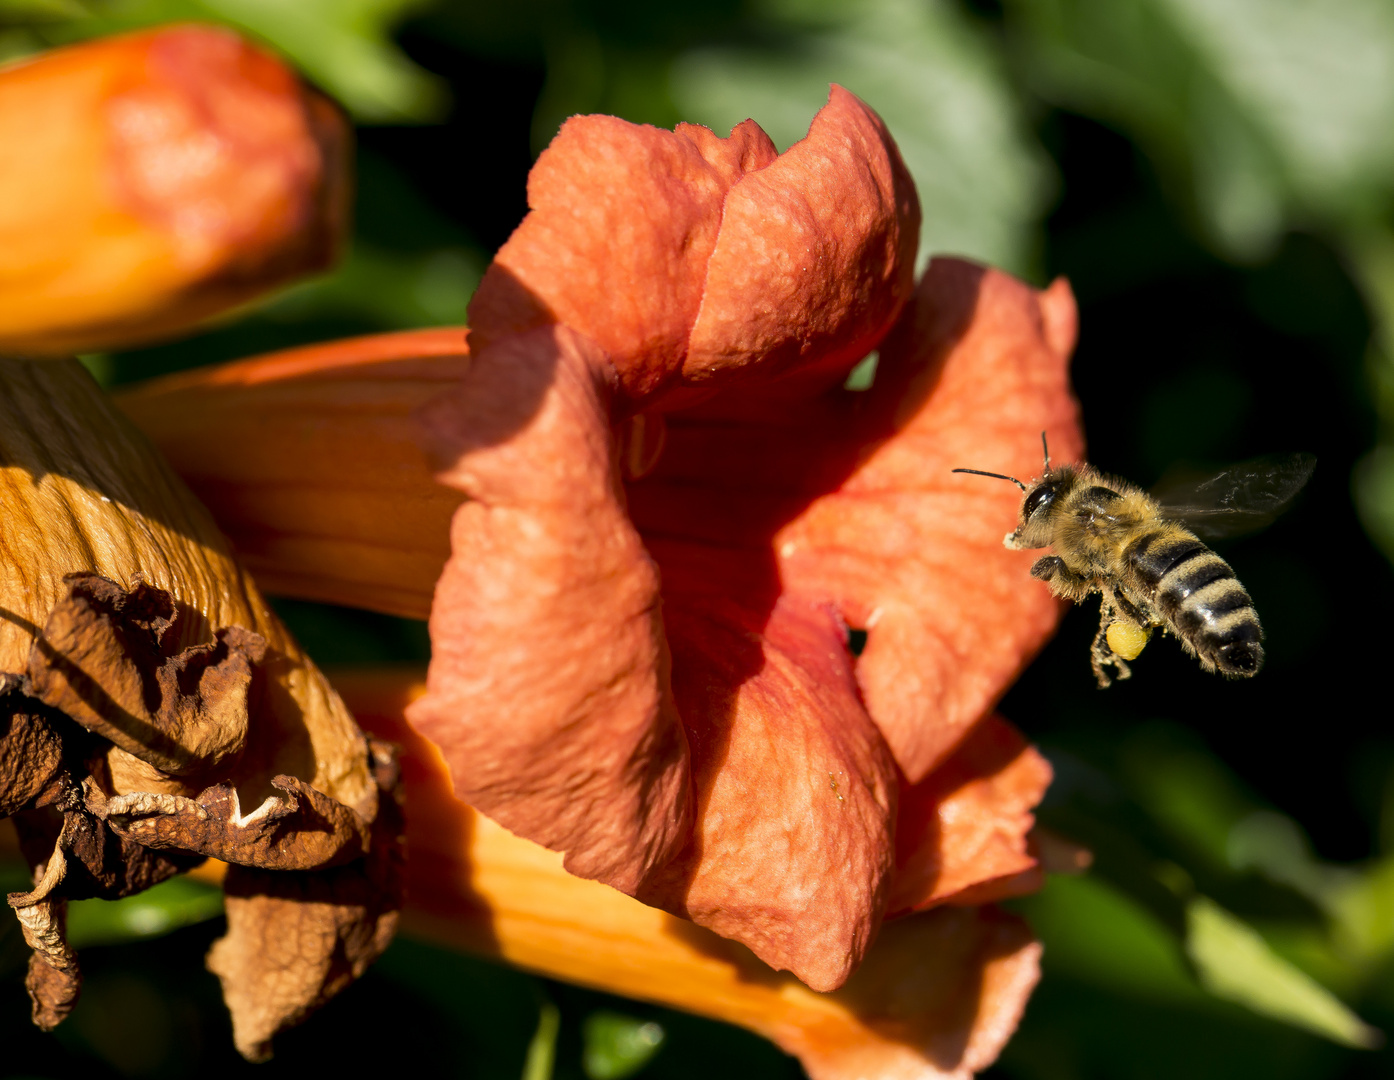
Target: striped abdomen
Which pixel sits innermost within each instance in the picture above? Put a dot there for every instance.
(1200, 598)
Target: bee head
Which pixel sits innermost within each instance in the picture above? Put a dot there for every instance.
(1033, 529)
(1034, 526)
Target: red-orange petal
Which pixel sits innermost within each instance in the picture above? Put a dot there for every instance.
(762, 503)
(936, 999)
(815, 257)
(847, 499)
(792, 845)
(686, 257)
(151, 180)
(977, 368)
(548, 690)
(962, 831)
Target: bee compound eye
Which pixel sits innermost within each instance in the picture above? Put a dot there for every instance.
(1042, 496)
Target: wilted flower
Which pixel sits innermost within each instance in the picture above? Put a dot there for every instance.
(153, 711)
(678, 527)
(152, 180)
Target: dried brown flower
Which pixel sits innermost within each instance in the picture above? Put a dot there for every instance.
(154, 712)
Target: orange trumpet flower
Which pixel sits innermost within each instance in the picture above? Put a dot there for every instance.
(723, 630)
(152, 180)
(937, 997)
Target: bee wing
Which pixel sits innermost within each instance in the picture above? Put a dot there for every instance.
(1237, 500)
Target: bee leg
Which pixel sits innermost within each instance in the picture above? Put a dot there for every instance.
(1101, 655)
(1129, 610)
(1062, 580)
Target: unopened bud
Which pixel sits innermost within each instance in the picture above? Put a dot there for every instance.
(152, 180)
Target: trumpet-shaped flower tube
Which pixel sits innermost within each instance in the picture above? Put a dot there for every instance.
(937, 997)
(671, 522)
(152, 180)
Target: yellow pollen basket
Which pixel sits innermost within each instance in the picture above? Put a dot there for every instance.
(1127, 640)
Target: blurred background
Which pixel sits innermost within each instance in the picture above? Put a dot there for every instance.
(1216, 180)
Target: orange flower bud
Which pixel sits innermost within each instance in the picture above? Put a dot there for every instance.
(152, 180)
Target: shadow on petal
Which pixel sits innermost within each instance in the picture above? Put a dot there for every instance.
(937, 997)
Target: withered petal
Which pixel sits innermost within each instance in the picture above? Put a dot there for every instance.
(303, 829)
(102, 501)
(101, 660)
(294, 940)
(54, 984)
(31, 751)
(88, 857)
(151, 682)
(54, 979)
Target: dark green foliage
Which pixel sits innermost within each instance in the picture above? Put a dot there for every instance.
(1234, 273)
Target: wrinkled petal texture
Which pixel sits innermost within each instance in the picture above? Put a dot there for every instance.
(641, 659)
(936, 999)
(685, 256)
(655, 267)
(555, 648)
(150, 180)
(975, 371)
(776, 519)
(962, 832)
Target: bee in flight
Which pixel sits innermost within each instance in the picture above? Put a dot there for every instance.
(1145, 556)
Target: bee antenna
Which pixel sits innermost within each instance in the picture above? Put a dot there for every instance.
(1046, 450)
(994, 475)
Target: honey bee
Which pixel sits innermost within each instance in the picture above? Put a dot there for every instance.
(1144, 555)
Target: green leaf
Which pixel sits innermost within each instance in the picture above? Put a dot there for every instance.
(937, 82)
(1234, 962)
(614, 1046)
(1268, 112)
(40, 10)
(344, 45)
(393, 289)
(1186, 789)
(1097, 934)
(542, 1050)
(863, 376)
(168, 906)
